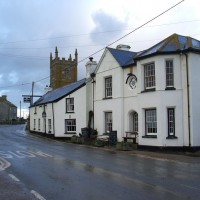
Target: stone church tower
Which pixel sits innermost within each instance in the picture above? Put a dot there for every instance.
(62, 71)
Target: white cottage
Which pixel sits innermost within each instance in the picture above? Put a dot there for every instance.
(63, 112)
(153, 93)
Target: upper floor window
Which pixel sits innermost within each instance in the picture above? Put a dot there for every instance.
(35, 110)
(149, 76)
(108, 87)
(169, 73)
(69, 105)
(151, 122)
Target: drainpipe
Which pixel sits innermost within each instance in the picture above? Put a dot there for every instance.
(188, 98)
(93, 81)
(53, 119)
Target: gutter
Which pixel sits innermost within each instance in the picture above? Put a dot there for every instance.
(188, 98)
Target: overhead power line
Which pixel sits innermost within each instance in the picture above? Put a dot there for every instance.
(139, 27)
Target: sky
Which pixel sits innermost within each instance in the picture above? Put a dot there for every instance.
(31, 29)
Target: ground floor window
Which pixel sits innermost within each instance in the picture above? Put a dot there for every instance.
(171, 121)
(150, 122)
(38, 124)
(135, 122)
(49, 125)
(108, 121)
(70, 125)
(34, 124)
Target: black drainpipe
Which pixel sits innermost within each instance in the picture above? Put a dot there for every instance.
(188, 97)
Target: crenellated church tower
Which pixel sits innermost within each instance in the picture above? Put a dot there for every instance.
(62, 71)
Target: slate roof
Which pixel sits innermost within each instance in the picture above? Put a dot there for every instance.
(172, 44)
(124, 58)
(4, 100)
(59, 93)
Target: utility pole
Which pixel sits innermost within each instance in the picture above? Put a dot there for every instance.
(31, 102)
(20, 110)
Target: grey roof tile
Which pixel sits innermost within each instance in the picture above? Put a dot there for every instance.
(57, 94)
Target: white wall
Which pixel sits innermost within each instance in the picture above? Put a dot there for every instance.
(79, 113)
(194, 83)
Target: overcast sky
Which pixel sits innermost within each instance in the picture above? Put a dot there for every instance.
(30, 30)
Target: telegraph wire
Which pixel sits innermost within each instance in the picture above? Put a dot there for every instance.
(139, 27)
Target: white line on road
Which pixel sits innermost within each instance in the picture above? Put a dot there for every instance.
(37, 195)
(4, 164)
(14, 177)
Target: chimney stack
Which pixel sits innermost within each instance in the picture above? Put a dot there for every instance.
(123, 47)
(90, 67)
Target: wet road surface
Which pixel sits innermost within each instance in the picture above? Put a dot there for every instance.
(54, 170)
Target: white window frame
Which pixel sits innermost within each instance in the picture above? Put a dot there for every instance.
(69, 105)
(135, 122)
(108, 121)
(151, 121)
(171, 121)
(108, 87)
(149, 76)
(169, 69)
(70, 126)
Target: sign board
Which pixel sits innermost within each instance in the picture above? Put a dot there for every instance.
(113, 138)
(27, 99)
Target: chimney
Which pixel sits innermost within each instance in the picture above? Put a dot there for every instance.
(123, 47)
(47, 89)
(90, 67)
(4, 97)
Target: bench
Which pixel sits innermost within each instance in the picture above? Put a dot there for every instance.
(130, 136)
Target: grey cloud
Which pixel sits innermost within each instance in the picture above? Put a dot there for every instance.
(107, 27)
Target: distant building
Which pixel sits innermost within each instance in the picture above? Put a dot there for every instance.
(62, 71)
(8, 111)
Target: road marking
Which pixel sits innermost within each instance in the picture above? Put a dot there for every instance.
(4, 164)
(14, 177)
(37, 195)
(23, 154)
(191, 187)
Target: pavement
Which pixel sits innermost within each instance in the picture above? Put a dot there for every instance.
(12, 189)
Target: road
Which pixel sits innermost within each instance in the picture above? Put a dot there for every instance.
(53, 170)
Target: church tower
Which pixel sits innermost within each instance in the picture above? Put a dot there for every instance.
(62, 71)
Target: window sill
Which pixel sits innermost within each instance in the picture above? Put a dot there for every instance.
(70, 112)
(171, 137)
(170, 88)
(149, 136)
(149, 90)
(107, 98)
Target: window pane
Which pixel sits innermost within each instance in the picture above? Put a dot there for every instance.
(151, 121)
(108, 121)
(70, 125)
(171, 121)
(169, 73)
(108, 87)
(149, 75)
(70, 105)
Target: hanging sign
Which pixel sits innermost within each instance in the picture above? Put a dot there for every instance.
(131, 81)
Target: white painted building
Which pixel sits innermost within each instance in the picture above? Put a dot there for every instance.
(61, 112)
(154, 93)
